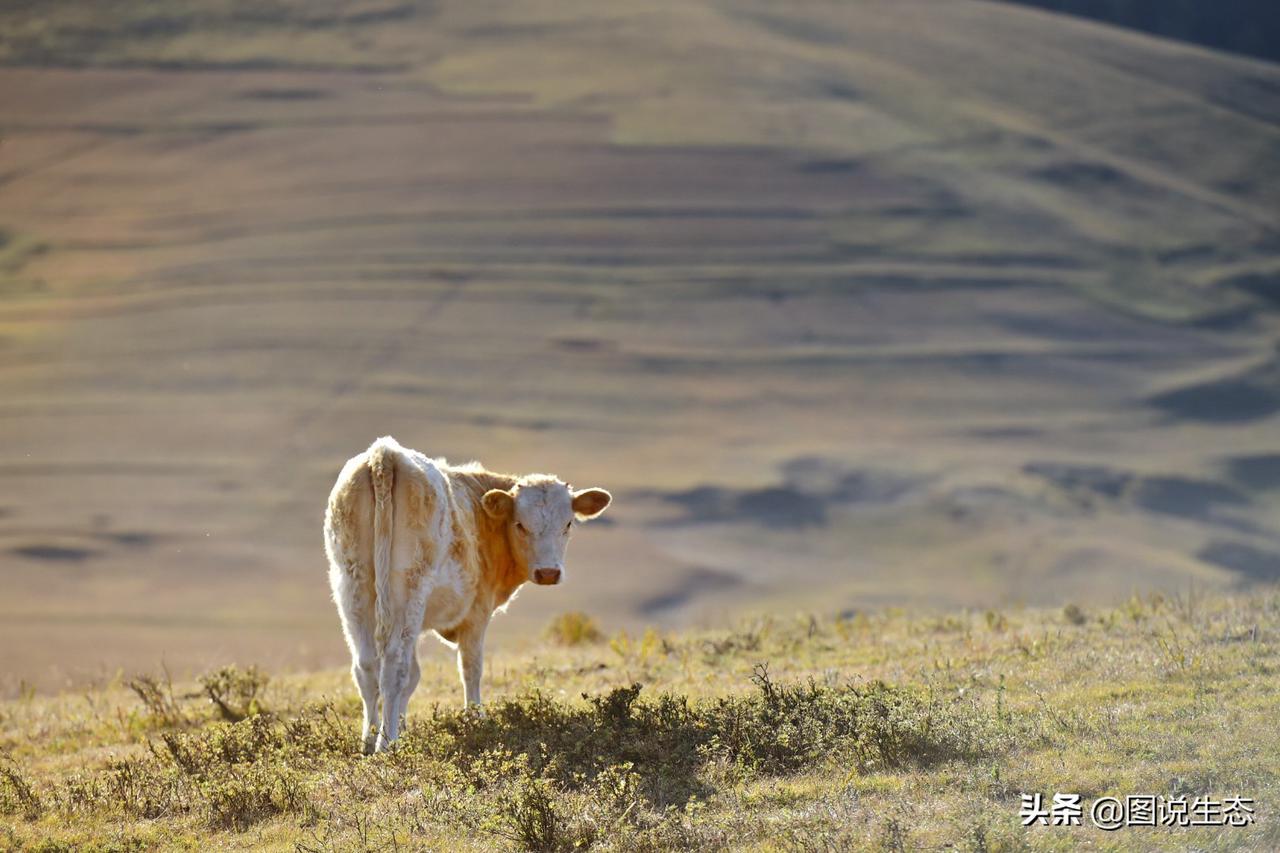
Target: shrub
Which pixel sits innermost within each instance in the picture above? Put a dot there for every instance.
(234, 692)
(244, 797)
(669, 740)
(541, 773)
(16, 794)
(157, 698)
(1074, 614)
(573, 629)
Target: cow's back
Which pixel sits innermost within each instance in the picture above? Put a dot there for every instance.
(428, 535)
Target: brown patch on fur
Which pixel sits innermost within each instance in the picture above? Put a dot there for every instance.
(500, 576)
(343, 518)
(449, 634)
(424, 559)
(382, 472)
(418, 503)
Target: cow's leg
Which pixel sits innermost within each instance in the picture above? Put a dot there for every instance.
(353, 593)
(471, 658)
(392, 677)
(415, 675)
(399, 673)
(364, 669)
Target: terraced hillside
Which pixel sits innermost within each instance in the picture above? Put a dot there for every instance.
(848, 304)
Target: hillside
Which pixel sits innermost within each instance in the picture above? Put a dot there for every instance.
(1251, 27)
(950, 303)
(890, 730)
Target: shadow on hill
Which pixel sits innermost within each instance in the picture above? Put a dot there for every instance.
(1205, 501)
(1250, 27)
(1257, 471)
(1254, 565)
(1250, 395)
(811, 486)
(697, 581)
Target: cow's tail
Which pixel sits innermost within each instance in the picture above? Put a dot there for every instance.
(382, 473)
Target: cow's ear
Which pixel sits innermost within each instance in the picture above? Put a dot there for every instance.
(498, 503)
(589, 503)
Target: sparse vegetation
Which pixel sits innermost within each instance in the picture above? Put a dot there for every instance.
(887, 731)
(573, 629)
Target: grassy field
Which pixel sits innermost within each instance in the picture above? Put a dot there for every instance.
(883, 729)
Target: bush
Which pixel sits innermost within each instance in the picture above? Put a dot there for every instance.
(157, 698)
(573, 629)
(16, 794)
(669, 740)
(234, 692)
(541, 773)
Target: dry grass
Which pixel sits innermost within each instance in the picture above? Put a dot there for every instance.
(890, 730)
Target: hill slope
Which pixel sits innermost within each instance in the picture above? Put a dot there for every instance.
(947, 302)
(1251, 27)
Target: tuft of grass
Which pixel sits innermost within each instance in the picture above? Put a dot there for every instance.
(574, 628)
(156, 694)
(16, 794)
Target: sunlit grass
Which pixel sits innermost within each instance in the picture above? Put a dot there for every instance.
(889, 730)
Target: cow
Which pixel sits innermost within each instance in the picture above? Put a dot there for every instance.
(416, 544)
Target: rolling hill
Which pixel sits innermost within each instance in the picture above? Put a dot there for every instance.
(851, 304)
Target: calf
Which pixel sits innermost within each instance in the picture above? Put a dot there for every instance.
(416, 544)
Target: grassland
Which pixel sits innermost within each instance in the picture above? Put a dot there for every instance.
(884, 729)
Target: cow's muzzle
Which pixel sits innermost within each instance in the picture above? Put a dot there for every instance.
(546, 577)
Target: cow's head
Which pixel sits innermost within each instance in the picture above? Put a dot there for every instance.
(539, 512)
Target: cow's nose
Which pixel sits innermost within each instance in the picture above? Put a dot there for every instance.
(546, 577)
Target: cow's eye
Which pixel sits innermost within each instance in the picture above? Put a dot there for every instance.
(520, 527)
